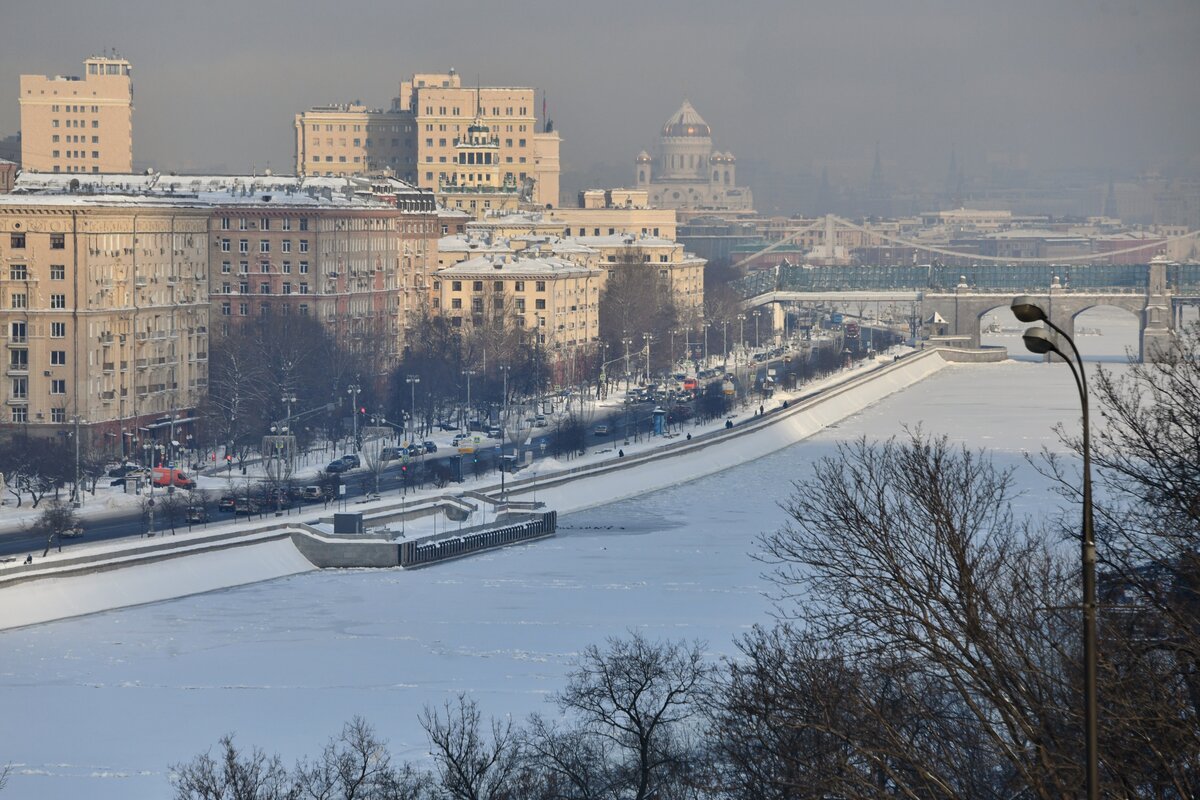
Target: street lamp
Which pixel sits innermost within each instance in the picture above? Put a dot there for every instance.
(626, 341)
(468, 373)
(412, 381)
(1037, 340)
(354, 389)
(649, 337)
(756, 313)
(742, 330)
(77, 502)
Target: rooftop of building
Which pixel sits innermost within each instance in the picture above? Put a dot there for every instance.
(155, 188)
(516, 267)
(686, 122)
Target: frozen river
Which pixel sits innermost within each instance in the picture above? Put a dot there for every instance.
(100, 706)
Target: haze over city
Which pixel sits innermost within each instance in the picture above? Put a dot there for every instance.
(792, 88)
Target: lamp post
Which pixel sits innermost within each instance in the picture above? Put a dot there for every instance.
(354, 389)
(649, 337)
(725, 346)
(468, 373)
(1037, 340)
(706, 326)
(149, 447)
(78, 500)
(741, 318)
(626, 341)
(412, 381)
(756, 313)
(504, 368)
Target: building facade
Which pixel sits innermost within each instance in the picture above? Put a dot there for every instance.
(352, 139)
(686, 172)
(556, 299)
(79, 124)
(103, 312)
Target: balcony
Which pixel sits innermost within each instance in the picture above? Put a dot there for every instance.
(108, 366)
(17, 370)
(18, 340)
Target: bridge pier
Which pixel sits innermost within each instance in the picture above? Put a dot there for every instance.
(1156, 319)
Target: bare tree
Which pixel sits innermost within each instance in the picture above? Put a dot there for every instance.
(471, 765)
(233, 776)
(356, 765)
(57, 520)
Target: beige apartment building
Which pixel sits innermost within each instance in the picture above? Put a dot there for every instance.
(683, 271)
(558, 299)
(79, 124)
(416, 138)
(352, 139)
(567, 222)
(103, 314)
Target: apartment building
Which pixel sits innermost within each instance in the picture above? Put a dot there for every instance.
(79, 124)
(558, 299)
(683, 271)
(351, 139)
(103, 313)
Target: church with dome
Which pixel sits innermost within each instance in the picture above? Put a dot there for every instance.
(686, 172)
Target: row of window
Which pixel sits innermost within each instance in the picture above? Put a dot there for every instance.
(264, 224)
(457, 111)
(497, 286)
(58, 241)
(20, 414)
(73, 139)
(369, 129)
(264, 245)
(497, 304)
(74, 123)
(73, 109)
(19, 332)
(263, 267)
(263, 309)
(21, 300)
(74, 154)
(263, 288)
(20, 272)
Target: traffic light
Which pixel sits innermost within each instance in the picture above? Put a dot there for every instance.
(362, 410)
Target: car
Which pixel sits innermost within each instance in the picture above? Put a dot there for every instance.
(197, 514)
(245, 505)
(447, 426)
(414, 450)
(429, 445)
(539, 421)
(495, 433)
(390, 453)
(312, 494)
(601, 430)
(126, 471)
(351, 461)
(227, 503)
(458, 437)
(336, 466)
(73, 533)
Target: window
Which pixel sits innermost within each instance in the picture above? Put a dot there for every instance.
(287, 268)
(264, 224)
(243, 245)
(225, 287)
(519, 286)
(304, 245)
(286, 224)
(243, 309)
(18, 359)
(20, 389)
(477, 286)
(264, 309)
(287, 289)
(264, 267)
(286, 245)
(58, 415)
(18, 272)
(477, 305)
(521, 305)
(539, 304)
(497, 286)
(58, 301)
(456, 302)
(264, 288)
(226, 309)
(58, 272)
(498, 303)
(58, 330)
(243, 267)
(264, 246)
(224, 223)
(540, 286)
(303, 288)
(456, 286)
(303, 309)
(244, 287)
(16, 241)
(58, 358)
(58, 386)
(20, 414)
(304, 223)
(224, 245)
(303, 267)
(241, 223)
(225, 265)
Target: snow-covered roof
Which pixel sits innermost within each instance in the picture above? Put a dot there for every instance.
(515, 266)
(459, 243)
(623, 240)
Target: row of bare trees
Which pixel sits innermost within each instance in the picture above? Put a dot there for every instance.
(926, 645)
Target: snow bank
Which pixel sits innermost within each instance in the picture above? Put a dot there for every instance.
(48, 599)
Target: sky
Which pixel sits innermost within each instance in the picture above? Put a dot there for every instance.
(1067, 84)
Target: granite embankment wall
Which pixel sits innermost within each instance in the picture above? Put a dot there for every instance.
(113, 575)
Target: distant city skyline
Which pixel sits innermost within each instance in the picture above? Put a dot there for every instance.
(790, 88)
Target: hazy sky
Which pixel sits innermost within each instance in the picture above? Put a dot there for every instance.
(1052, 83)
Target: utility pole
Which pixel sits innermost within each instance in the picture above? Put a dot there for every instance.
(78, 494)
(412, 381)
(353, 390)
(468, 373)
(626, 341)
(649, 337)
(504, 368)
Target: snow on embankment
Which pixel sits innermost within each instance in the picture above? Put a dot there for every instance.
(684, 461)
(113, 585)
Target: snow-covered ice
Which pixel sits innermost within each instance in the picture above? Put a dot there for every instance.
(100, 706)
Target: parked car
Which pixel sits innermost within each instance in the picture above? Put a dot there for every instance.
(245, 505)
(447, 426)
(226, 503)
(601, 430)
(197, 514)
(73, 533)
(429, 445)
(312, 494)
(495, 433)
(390, 453)
(127, 470)
(351, 461)
(415, 450)
(539, 421)
(336, 466)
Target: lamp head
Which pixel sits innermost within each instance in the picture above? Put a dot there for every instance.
(1037, 340)
(1026, 310)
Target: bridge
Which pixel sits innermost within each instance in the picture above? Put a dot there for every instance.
(955, 299)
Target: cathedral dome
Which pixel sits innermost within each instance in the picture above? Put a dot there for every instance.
(686, 122)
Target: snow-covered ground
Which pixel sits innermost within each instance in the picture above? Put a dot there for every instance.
(100, 706)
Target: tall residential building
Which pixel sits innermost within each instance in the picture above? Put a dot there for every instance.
(416, 138)
(79, 124)
(103, 313)
(686, 172)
